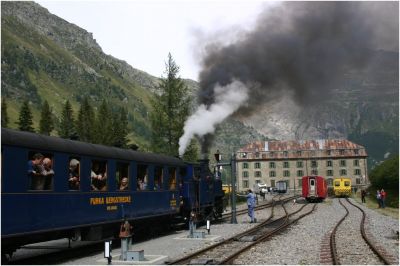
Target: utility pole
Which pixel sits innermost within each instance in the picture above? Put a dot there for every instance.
(232, 164)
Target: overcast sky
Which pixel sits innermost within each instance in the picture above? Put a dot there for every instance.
(143, 32)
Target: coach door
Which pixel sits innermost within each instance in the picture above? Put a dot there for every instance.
(312, 186)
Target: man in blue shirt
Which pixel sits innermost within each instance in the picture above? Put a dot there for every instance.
(251, 203)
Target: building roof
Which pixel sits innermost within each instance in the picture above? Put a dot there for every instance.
(296, 145)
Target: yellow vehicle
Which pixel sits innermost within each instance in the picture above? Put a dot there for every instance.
(342, 187)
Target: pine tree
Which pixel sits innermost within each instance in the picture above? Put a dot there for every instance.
(170, 109)
(120, 125)
(46, 124)
(25, 118)
(4, 114)
(85, 122)
(103, 128)
(67, 125)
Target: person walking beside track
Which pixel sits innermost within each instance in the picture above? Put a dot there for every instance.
(379, 198)
(251, 203)
(383, 198)
(363, 194)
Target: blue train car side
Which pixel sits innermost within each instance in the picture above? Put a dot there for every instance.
(33, 211)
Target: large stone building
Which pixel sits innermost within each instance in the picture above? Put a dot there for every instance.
(270, 161)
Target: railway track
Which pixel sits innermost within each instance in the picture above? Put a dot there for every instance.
(227, 251)
(349, 243)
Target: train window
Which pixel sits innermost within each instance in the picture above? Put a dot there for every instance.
(158, 178)
(337, 183)
(40, 170)
(196, 173)
(142, 177)
(74, 173)
(98, 175)
(172, 178)
(122, 176)
(346, 183)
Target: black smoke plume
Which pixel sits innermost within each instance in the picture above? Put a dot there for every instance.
(302, 49)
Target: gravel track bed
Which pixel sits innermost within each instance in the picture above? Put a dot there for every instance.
(350, 245)
(299, 244)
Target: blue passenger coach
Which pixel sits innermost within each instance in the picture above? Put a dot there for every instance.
(39, 208)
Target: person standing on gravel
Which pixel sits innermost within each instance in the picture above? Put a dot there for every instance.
(383, 198)
(251, 203)
(363, 194)
(379, 198)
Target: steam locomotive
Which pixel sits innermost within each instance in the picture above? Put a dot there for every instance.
(89, 189)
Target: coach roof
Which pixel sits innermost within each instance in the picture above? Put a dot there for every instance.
(55, 144)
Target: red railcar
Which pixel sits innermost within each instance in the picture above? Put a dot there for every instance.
(314, 188)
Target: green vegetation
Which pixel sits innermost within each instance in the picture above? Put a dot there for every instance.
(66, 128)
(46, 124)
(171, 106)
(4, 114)
(386, 176)
(25, 118)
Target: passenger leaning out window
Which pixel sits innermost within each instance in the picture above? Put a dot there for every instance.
(35, 169)
(48, 173)
(99, 176)
(73, 179)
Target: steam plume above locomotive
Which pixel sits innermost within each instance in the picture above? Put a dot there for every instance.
(301, 49)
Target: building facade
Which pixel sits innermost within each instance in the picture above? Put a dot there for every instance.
(270, 161)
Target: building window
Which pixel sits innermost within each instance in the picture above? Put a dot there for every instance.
(357, 172)
(329, 152)
(245, 165)
(245, 184)
(285, 154)
(272, 174)
(298, 153)
(356, 152)
(356, 163)
(257, 155)
(257, 165)
(358, 181)
(285, 164)
(286, 173)
(342, 162)
(329, 172)
(271, 154)
(341, 152)
(258, 181)
(299, 183)
(300, 173)
(243, 155)
(245, 174)
(272, 165)
(299, 164)
(257, 174)
(329, 163)
(314, 172)
(264, 156)
(313, 153)
(343, 172)
(272, 183)
(314, 164)
(330, 181)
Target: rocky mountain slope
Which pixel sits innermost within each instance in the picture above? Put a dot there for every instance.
(46, 57)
